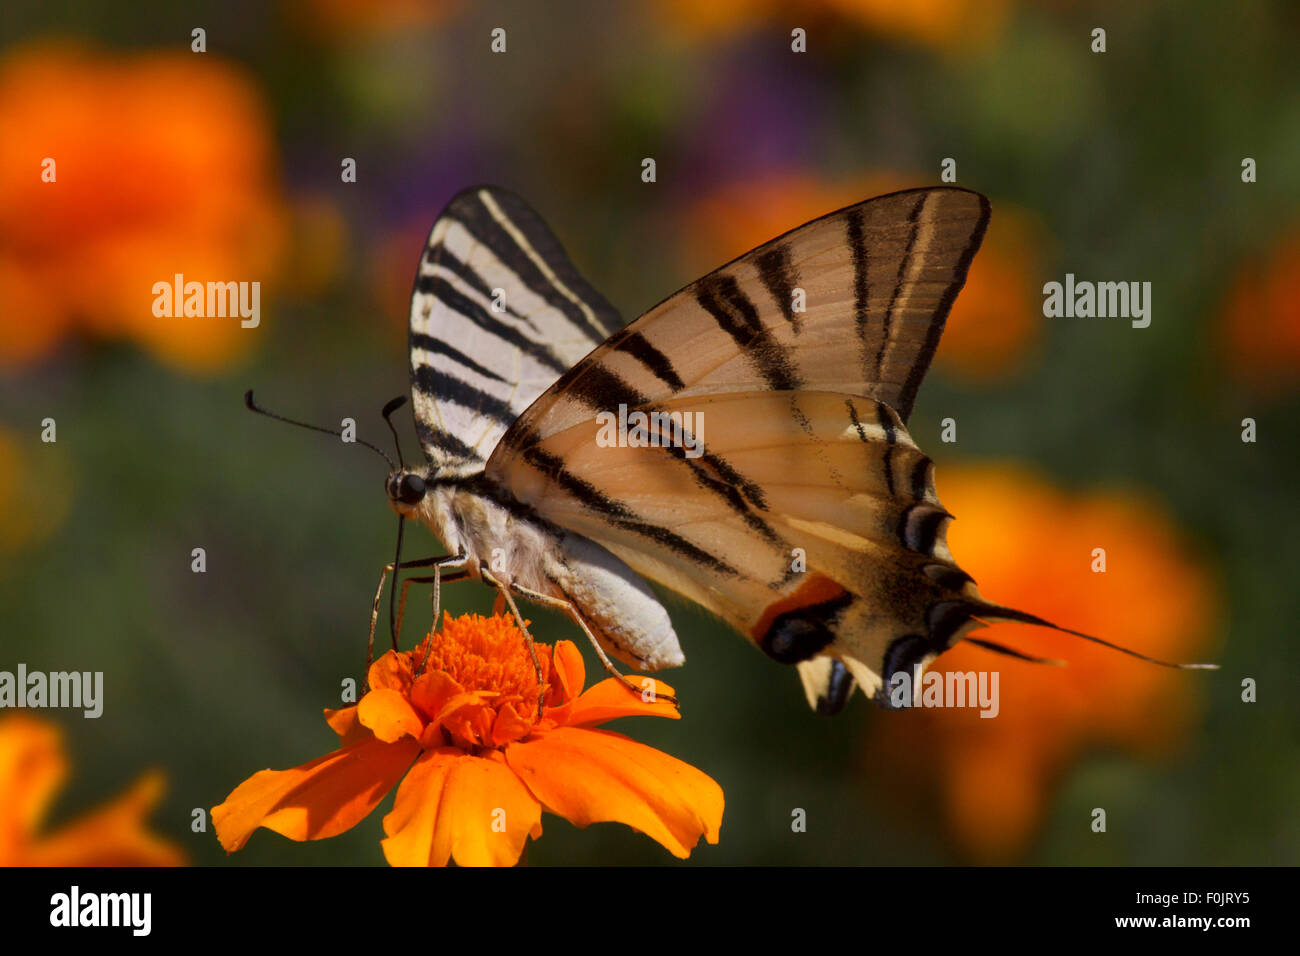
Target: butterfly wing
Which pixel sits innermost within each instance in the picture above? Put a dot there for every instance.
(795, 506)
(877, 281)
(498, 313)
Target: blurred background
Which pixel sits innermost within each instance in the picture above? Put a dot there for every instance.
(1072, 434)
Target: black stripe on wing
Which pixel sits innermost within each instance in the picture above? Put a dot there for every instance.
(639, 347)
(721, 296)
(921, 363)
(449, 298)
(602, 390)
(855, 232)
(904, 267)
(431, 436)
(716, 475)
(439, 256)
(891, 436)
(434, 346)
(780, 279)
(619, 514)
(443, 387)
(471, 209)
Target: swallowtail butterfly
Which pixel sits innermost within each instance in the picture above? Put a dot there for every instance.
(766, 472)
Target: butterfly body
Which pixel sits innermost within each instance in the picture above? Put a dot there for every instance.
(522, 551)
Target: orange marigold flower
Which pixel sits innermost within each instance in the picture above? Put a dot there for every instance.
(477, 766)
(1260, 323)
(1030, 545)
(119, 172)
(32, 769)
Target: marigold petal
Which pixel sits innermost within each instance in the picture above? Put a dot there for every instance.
(590, 776)
(113, 835)
(612, 698)
(510, 724)
(389, 715)
(568, 669)
(32, 769)
(468, 718)
(432, 690)
(344, 723)
(393, 671)
(456, 806)
(317, 800)
(453, 706)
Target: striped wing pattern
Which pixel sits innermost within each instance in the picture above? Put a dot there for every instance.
(879, 279)
(498, 314)
(809, 519)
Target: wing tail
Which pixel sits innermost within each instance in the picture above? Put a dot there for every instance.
(994, 612)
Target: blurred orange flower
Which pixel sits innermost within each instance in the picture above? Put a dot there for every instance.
(122, 171)
(479, 766)
(1259, 326)
(949, 25)
(993, 324)
(1031, 546)
(32, 769)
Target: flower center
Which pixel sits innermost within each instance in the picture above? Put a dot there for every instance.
(485, 654)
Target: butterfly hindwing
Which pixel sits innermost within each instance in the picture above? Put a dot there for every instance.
(833, 543)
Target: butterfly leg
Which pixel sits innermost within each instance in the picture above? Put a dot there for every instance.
(504, 591)
(436, 579)
(448, 569)
(559, 604)
(441, 563)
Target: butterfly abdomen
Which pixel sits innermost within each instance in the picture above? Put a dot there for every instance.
(621, 609)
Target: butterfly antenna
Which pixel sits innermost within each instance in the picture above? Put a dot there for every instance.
(254, 407)
(388, 410)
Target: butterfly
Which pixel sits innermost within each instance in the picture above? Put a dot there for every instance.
(760, 466)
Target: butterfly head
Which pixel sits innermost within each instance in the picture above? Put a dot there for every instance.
(406, 489)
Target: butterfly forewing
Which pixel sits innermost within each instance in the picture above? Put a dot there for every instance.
(498, 313)
(878, 280)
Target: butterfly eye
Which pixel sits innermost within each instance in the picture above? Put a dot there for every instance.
(411, 490)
